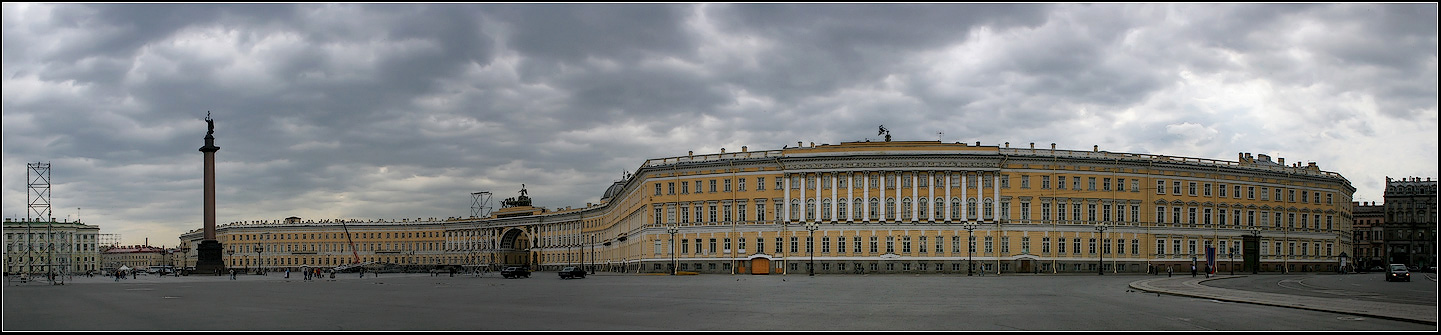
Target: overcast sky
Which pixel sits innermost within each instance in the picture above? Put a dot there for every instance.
(389, 111)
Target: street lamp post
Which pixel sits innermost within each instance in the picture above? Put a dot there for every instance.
(1233, 260)
(672, 230)
(1101, 264)
(811, 246)
(1257, 233)
(970, 227)
(231, 251)
(264, 236)
(258, 250)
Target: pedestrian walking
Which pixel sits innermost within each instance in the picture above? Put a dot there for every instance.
(1193, 271)
(1168, 271)
(287, 273)
(232, 274)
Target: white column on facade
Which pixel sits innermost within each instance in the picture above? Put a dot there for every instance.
(881, 203)
(786, 199)
(835, 204)
(996, 202)
(931, 193)
(981, 195)
(802, 203)
(965, 214)
(898, 198)
(947, 201)
(850, 194)
(895, 195)
(915, 196)
(866, 196)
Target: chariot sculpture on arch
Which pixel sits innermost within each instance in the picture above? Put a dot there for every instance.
(522, 200)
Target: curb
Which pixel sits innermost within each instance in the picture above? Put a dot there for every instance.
(1193, 288)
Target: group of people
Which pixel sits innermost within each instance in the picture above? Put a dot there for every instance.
(308, 273)
(120, 274)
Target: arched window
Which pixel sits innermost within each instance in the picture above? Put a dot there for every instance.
(922, 208)
(875, 209)
(840, 208)
(939, 209)
(795, 209)
(891, 208)
(856, 214)
(956, 209)
(810, 209)
(971, 208)
(906, 208)
(990, 209)
(826, 209)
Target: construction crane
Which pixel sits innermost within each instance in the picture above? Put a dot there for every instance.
(353, 253)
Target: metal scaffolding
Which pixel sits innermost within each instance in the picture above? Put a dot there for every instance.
(480, 204)
(37, 176)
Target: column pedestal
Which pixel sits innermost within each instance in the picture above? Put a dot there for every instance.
(209, 260)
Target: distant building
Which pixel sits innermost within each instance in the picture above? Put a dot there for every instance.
(40, 246)
(872, 207)
(109, 241)
(1410, 223)
(135, 257)
(1367, 219)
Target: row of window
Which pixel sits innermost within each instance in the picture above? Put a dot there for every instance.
(857, 245)
(923, 180)
(1091, 211)
(904, 266)
(1266, 194)
(312, 236)
(1188, 215)
(59, 236)
(1307, 248)
(83, 247)
(906, 244)
(825, 182)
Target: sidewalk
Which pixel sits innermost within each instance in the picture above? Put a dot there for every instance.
(1192, 287)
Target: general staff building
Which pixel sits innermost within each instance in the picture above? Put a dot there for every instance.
(873, 207)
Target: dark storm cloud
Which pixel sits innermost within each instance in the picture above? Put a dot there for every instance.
(402, 110)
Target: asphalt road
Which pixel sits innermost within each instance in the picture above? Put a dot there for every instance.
(648, 303)
(1421, 290)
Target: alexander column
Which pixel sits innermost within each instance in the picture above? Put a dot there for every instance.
(210, 250)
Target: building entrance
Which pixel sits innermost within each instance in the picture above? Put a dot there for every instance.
(760, 266)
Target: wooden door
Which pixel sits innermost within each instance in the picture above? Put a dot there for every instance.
(760, 266)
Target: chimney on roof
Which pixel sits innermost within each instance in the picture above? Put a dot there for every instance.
(978, 143)
(1053, 145)
(1095, 148)
(723, 150)
(1008, 144)
(1280, 160)
(1033, 145)
(743, 148)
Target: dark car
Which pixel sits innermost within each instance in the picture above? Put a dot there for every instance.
(515, 272)
(1398, 272)
(572, 272)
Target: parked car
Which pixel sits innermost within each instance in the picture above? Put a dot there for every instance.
(515, 272)
(572, 272)
(1398, 272)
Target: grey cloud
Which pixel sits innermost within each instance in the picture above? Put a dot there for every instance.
(401, 110)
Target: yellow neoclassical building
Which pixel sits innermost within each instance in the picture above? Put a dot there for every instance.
(874, 207)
